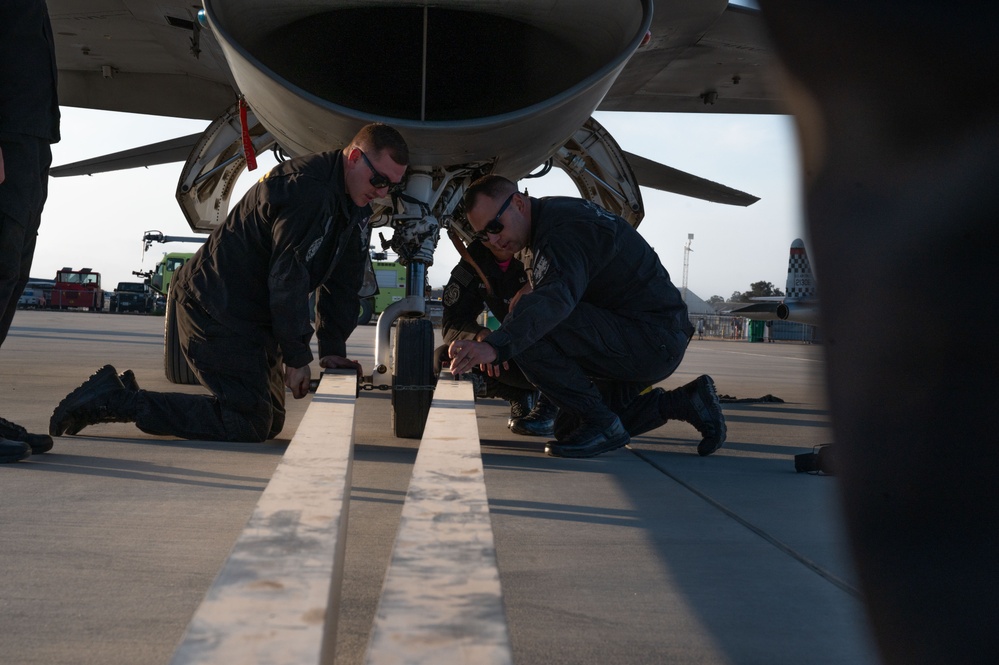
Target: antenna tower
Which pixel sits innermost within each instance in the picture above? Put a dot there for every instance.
(686, 264)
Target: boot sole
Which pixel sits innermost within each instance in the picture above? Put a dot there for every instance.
(16, 457)
(552, 449)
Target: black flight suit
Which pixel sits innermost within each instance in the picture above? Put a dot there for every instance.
(242, 302)
(29, 122)
(464, 297)
(603, 310)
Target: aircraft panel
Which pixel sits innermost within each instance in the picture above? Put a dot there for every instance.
(706, 65)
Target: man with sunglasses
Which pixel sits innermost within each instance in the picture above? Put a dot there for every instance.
(241, 303)
(493, 278)
(602, 323)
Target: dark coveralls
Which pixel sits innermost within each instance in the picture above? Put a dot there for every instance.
(242, 302)
(29, 122)
(465, 295)
(604, 320)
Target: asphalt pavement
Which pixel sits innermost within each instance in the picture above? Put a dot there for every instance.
(648, 554)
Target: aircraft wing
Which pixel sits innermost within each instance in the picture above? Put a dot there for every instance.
(156, 57)
(758, 311)
(139, 56)
(802, 310)
(164, 152)
(668, 179)
(703, 57)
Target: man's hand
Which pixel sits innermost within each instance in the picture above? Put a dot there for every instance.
(490, 370)
(466, 354)
(297, 379)
(338, 362)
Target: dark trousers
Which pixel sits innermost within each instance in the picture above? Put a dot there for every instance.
(22, 197)
(245, 377)
(595, 363)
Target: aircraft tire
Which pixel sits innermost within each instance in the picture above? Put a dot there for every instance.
(367, 309)
(174, 363)
(413, 368)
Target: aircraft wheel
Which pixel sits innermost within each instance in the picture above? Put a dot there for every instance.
(413, 377)
(367, 308)
(174, 363)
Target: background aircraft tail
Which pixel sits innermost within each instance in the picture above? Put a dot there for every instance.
(799, 302)
(800, 281)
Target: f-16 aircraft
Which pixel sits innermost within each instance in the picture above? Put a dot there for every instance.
(475, 87)
(800, 302)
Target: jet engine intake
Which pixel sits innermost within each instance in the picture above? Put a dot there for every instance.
(464, 81)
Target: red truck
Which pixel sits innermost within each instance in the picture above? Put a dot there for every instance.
(77, 288)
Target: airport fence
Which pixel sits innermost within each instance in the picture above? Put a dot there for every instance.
(720, 326)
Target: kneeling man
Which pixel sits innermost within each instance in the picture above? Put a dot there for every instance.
(602, 324)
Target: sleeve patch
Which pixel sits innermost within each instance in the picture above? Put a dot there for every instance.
(451, 294)
(463, 274)
(541, 265)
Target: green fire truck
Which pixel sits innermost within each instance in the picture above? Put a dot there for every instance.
(161, 276)
(391, 279)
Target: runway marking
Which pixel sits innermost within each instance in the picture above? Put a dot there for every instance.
(441, 601)
(767, 355)
(276, 599)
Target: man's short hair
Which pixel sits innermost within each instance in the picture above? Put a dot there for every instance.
(493, 186)
(378, 136)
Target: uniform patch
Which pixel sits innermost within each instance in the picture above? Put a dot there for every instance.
(313, 248)
(462, 275)
(451, 294)
(540, 268)
(600, 212)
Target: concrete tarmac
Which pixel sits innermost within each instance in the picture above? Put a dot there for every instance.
(648, 554)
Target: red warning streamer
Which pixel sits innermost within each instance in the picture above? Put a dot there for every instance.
(248, 152)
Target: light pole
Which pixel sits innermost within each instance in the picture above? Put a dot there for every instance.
(686, 263)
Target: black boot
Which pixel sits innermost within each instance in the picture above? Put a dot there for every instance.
(13, 451)
(101, 399)
(565, 423)
(589, 440)
(39, 443)
(521, 405)
(539, 422)
(697, 403)
(127, 379)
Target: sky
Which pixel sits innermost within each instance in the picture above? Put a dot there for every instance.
(98, 221)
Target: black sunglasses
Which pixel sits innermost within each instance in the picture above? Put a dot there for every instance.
(494, 225)
(377, 180)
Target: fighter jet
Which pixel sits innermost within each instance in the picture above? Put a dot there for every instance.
(475, 87)
(800, 302)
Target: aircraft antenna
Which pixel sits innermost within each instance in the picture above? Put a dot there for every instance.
(686, 264)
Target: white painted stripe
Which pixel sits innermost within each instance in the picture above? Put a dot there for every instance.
(276, 599)
(441, 602)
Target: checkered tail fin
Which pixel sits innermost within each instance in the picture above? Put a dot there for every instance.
(800, 281)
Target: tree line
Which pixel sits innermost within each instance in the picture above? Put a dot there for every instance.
(762, 289)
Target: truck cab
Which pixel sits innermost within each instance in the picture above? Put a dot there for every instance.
(161, 277)
(78, 289)
(132, 297)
